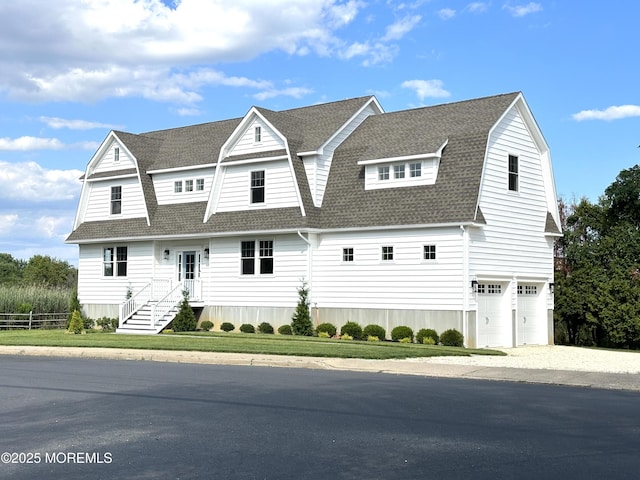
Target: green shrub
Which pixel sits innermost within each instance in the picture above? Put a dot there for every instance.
(329, 328)
(405, 340)
(346, 336)
(372, 338)
(107, 324)
(206, 325)
(185, 320)
(401, 332)
(301, 319)
(285, 330)
(352, 329)
(428, 341)
(374, 331)
(452, 338)
(247, 328)
(75, 324)
(265, 327)
(427, 332)
(227, 327)
(323, 335)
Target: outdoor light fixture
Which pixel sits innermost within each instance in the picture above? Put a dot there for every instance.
(166, 255)
(474, 286)
(206, 253)
(552, 287)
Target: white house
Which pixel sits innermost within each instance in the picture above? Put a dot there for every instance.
(437, 217)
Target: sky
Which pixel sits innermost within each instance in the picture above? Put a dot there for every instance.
(72, 70)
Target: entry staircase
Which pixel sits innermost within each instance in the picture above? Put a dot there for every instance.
(154, 306)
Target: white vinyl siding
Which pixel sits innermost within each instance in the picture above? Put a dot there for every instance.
(99, 200)
(229, 287)
(406, 282)
(109, 163)
(96, 288)
(269, 140)
(164, 184)
(235, 191)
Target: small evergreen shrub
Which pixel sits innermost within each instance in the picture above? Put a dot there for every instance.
(285, 330)
(107, 324)
(247, 328)
(346, 336)
(372, 338)
(227, 327)
(405, 340)
(206, 325)
(185, 320)
(329, 328)
(352, 329)
(427, 332)
(265, 327)
(374, 331)
(301, 319)
(401, 332)
(452, 338)
(323, 335)
(428, 341)
(75, 323)
(167, 330)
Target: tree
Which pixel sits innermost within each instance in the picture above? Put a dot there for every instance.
(301, 320)
(185, 320)
(46, 271)
(11, 269)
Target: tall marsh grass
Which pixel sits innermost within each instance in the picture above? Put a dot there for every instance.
(17, 299)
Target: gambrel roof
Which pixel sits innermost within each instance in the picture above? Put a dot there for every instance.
(464, 127)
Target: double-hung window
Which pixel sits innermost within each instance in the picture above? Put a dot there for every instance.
(513, 173)
(114, 261)
(116, 200)
(257, 186)
(248, 259)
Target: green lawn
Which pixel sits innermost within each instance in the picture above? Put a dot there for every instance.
(236, 343)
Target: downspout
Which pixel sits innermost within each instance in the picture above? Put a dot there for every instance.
(465, 282)
(309, 266)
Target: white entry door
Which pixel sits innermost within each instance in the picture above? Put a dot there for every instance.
(189, 272)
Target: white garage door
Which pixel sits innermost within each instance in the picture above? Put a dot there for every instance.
(493, 319)
(531, 316)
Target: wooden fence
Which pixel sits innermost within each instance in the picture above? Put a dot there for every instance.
(11, 321)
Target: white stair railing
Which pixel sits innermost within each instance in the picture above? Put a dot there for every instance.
(166, 304)
(133, 304)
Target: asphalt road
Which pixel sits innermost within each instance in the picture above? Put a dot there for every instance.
(67, 418)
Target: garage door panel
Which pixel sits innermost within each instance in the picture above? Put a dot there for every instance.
(493, 318)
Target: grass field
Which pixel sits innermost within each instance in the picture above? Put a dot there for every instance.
(237, 343)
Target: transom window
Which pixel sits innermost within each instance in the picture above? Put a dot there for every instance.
(513, 173)
(491, 288)
(383, 173)
(257, 186)
(347, 254)
(387, 253)
(398, 171)
(429, 252)
(116, 200)
(114, 261)
(527, 289)
(248, 259)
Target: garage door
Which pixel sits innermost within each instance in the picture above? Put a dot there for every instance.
(493, 320)
(531, 316)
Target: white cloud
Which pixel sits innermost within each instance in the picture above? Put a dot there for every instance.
(7, 222)
(426, 88)
(90, 50)
(58, 123)
(27, 143)
(399, 29)
(611, 113)
(446, 13)
(30, 182)
(523, 10)
(295, 92)
(477, 7)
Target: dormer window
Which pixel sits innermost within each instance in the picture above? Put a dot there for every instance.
(383, 173)
(257, 134)
(398, 171)
(116, 154)
(415, 169)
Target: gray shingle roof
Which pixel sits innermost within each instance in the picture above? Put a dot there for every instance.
(453, 198)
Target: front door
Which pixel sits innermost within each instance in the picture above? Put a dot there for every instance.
(189, 271)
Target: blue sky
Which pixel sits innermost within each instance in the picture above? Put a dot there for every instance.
(71, 70)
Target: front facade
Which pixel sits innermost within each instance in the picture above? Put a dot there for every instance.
(439, 217)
